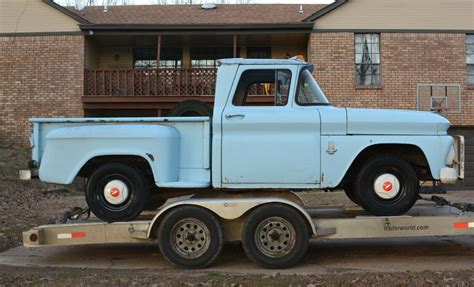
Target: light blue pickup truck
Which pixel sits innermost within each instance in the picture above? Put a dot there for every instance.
(296, 140)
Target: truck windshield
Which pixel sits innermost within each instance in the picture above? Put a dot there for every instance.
(309, 92)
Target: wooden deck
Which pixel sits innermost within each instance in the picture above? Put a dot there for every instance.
(145, 88)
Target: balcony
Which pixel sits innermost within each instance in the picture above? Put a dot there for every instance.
(150, 82)
(151, 88)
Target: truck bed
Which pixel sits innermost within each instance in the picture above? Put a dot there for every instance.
(195, 136)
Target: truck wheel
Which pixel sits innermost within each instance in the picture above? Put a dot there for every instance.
(191, 108)
(387, 186)
(275, 236)
(351, 194)
(116, 192)
(190, 237)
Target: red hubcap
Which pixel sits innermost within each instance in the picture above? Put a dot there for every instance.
(387, 186)
(115, 192)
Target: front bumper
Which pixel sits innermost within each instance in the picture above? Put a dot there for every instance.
(450, 175)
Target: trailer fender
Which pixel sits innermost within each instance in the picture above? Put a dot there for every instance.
(229, 209)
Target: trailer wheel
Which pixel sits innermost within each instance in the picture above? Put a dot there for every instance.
(190, 237)
(116, 192)
(387, 186)
(275, 236)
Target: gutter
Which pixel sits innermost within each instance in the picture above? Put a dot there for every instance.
(137, 28)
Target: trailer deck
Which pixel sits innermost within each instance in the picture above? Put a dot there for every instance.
(233, 210)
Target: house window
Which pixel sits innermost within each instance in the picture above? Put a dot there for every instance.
(171, 57)
(274, 84)
(206, 57)
(259, 53)
(144, 57)
(367, 59)
(470, 59)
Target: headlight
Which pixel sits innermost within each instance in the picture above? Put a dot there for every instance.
(451, 156)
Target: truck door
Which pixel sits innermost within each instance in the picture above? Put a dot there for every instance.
(267, 140)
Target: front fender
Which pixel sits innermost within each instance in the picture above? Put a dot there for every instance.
(336, 162)
(68, 149)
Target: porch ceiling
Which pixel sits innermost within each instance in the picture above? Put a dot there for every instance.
(274, 40)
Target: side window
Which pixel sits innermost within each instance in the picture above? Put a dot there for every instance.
(263, 88)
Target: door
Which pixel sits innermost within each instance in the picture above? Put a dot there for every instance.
(266, 140)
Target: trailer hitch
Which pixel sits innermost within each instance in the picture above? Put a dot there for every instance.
(75, 213)
(441, 201)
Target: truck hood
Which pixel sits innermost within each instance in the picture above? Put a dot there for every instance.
(395, 122)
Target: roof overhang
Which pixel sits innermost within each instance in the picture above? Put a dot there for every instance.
(325, 10)
(66, 11)
(302, 27)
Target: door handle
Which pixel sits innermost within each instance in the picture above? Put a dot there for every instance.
(230, 116)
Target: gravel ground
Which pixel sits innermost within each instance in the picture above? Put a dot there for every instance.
(88, 277)
(25, 204)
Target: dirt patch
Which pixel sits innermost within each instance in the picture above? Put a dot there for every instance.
(25, 204)
(92, 277)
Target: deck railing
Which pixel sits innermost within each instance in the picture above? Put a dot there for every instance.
(149, 82)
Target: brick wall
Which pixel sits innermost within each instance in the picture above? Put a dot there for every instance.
(40, 76)
(407, 59)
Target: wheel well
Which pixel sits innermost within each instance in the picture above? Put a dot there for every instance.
(410, 153)
(135, 161)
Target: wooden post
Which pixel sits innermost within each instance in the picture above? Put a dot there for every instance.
(235, 46)
(158, 51)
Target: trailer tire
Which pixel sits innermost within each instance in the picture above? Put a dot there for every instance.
(275, 236)
(191, 108)
(387, 186)
(190, 237)
(116, 192)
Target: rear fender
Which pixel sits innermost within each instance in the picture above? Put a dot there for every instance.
(68, 149)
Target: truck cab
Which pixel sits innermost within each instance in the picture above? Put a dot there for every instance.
(295, 139)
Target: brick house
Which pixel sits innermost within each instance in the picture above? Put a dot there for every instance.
(144, 60)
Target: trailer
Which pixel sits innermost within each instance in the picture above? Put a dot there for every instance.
(274, 227)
